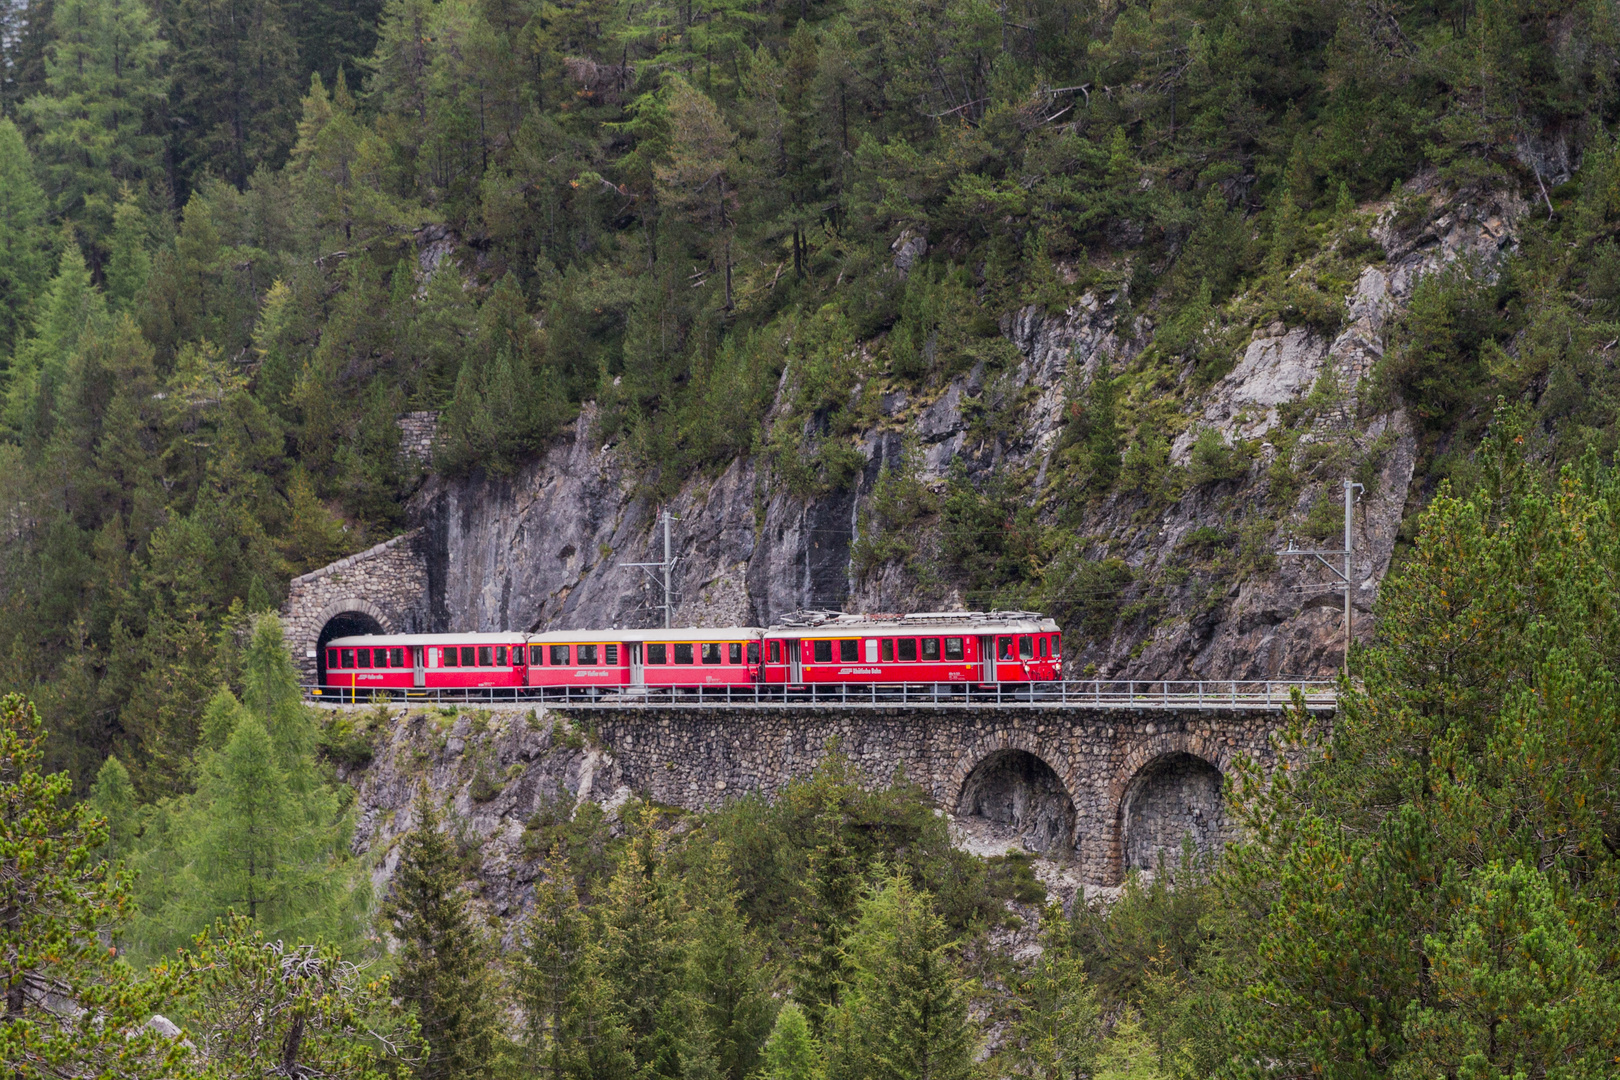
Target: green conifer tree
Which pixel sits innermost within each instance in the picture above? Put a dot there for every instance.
(905, 1013)
(39, 367)
(58, 898)
(1058, 1029)
(98, 119)
(24, 242)
(113, 797)
(235, 87)
(444, 956)
(791, 1051)
(129, 263)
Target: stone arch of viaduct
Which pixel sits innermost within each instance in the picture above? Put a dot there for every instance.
(1118, 768)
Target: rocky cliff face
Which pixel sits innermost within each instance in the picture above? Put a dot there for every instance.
(551, 546)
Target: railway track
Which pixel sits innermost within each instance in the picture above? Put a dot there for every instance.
(1267, 695)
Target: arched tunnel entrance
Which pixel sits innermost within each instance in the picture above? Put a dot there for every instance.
(1172, 798)
(343, 624)
(1016, 790)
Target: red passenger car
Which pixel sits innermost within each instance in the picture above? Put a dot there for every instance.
(966, 647)
(401, 662)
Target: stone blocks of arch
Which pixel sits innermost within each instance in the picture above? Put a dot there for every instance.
(387, 583)
(699, 758)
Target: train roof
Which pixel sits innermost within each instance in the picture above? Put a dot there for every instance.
(497, 637)
(835, 623)
(673, 633)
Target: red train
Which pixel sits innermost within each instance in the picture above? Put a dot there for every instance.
(806, 650)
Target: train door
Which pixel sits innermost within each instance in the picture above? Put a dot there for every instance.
(523, 668)
(418, 676)
(638, 674)
(795, 659)
(987, 659)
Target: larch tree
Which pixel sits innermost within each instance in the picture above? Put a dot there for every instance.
(24, 240)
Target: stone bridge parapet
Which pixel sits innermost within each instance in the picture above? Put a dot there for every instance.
(1121, 785)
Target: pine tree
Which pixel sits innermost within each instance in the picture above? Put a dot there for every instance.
(24, 242)
(98, 119)
(641, 957)
(56, 900)
(444, 956)
(905, 1016)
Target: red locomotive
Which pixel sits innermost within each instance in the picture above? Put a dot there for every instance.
(806, 650)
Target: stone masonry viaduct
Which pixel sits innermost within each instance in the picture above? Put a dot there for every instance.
(1110, 789)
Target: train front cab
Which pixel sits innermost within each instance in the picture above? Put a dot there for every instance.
(920, 653)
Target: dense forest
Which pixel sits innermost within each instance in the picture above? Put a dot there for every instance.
(239, 238)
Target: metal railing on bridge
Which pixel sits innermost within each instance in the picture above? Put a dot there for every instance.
(1164, 694)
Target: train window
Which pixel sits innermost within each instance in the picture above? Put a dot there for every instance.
(1057, 644)
(331, 658)
(1026, 648)
(447, 658)
(587, 654)
(486, 656)
(657, 653)
(466, 657)
(711, 651)
(364, 656)
(753, 652)
(908, 649)
(849, 650)
(735, 652)
(559, 655)
(776, 652)
(823, 652)
(1004, 648)
(888, 650)
(348, 658)
(930, 648)
(399, 657)
(612, 652)
(953, 648)
(683, 652)
(500, 656)
(1042, 642)
(383, 658)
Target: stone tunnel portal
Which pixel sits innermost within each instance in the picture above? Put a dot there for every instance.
(1017, 790)
(343, 624)
(1173, 797)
